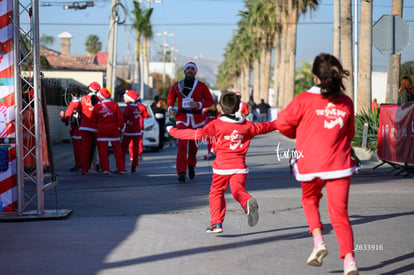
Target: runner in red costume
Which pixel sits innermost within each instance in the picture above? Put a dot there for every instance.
(132, 131)
(192, 97)
(110, 123)
(72, 116)
(143, 115)
(243, 110)
(322, 121)
(88, 128)
(231, 137)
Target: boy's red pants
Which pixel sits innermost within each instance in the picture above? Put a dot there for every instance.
(337, 191)
(77, 151)
(218, 188)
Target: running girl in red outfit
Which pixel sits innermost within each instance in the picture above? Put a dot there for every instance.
(322, 121)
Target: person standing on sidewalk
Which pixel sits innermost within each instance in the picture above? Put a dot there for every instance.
(109, 123)
(322, 121)
(231, 136)
(87, 127)
(192, 97)
(73, 117)
(263, 110)
(158, 108)
(132, 128)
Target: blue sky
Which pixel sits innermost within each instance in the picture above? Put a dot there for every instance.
(200, 27)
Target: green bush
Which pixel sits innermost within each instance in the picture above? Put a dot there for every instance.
(372, 118)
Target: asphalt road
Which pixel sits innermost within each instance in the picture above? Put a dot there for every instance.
(147, 223)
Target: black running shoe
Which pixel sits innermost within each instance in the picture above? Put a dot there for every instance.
(181, 178)
(133, 169)
(215, 228)
(191, 172)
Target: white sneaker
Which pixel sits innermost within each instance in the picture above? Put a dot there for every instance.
(318, 253)
(252, 212)
(351, 269)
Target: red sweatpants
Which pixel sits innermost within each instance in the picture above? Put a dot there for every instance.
(88, 147)
(130, 143)
(182, 159)
(104, 158)
(77, 149)
(337, 191)
(218, 188)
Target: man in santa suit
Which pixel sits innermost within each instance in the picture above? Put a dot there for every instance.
(243, 110)
(191, 96)
(109, 123)
(133, 129)
(87, 127)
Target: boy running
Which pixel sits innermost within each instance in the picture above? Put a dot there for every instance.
(231, 137)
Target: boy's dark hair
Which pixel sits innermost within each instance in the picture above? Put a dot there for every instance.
(229, 103)
(330, 72)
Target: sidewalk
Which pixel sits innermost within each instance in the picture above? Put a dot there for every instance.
(147, 223)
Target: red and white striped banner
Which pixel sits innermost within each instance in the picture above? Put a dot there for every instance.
(8, 179)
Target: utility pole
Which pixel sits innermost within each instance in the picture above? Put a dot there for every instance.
(145, 74)
(164, 53)
(114, 21)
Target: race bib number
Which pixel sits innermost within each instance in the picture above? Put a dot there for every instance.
(186, 103)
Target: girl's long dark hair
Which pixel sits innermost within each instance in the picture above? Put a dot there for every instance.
(330, 72)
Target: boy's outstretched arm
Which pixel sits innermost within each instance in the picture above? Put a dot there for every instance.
(189, 134)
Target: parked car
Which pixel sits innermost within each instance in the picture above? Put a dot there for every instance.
(151, 129)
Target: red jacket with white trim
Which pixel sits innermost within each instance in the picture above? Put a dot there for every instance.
(231, 138)
(85, 109)
(323, 132)
(109, 120)
(132, 116)
(190, 117)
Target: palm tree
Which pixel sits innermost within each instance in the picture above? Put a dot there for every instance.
(92, 44)
(346, 45)
(365, 58)
(292, 10)
(143, 28)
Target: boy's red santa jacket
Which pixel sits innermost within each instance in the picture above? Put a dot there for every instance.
(323, 132)
(132, 117)
(231, 138)
(109, 119)
(74, 128)
(85, 109)
(190, 117)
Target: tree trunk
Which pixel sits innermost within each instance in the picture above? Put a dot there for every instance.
(337, 29)
(365, 58)
(276, 69)
(256, 80)
(346, 45)
(265, 73)
(246, 81)
(290, 57)
(397, 9)
(283, 61)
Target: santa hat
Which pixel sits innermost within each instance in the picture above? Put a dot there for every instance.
(238, 93)
(131, 95)
(191, 64)
(104, 93)
(94, 87)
